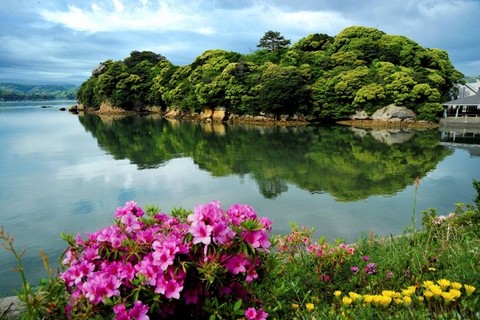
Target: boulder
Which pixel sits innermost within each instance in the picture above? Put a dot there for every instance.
(219, 115)
(360, 115)
(207, 113)
(393, 113)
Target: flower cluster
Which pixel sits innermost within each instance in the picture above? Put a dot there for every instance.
(156, 264)
(440, 291)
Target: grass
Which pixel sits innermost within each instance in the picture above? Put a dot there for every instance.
(431, 272)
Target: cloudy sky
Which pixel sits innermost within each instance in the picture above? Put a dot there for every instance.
(61, 41)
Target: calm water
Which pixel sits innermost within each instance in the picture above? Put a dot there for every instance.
(67, 173)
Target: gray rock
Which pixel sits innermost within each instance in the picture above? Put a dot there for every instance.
(394, 113)
(10, 308)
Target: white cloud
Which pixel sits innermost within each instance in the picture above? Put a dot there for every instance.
(117, 16)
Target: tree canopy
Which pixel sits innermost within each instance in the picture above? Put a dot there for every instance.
(319, 76)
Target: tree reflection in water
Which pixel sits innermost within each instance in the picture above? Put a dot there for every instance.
(350, 164)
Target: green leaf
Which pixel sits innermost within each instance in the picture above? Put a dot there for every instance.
(237, 305)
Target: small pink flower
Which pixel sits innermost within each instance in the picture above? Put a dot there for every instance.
(251, 313)
(236, 264)
(201, 233)
(138, 311)
(173, 289)
(120, 312)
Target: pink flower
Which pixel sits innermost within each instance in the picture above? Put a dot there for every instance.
(222, 233)
(201, 232)
(100, 286)
(139, 311)
(120, 312)
(238, 213)
(173, 289)
(236, 264)
(256, 238)
(208, 213)
(253, 314)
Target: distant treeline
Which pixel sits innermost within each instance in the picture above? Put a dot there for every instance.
(320, 77)
(19, 92)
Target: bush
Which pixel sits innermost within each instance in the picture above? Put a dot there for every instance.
(154, 265)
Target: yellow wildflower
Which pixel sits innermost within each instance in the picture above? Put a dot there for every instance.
(448, 297)
(408, 292)
(436, 290)
(398, 301)
(427, 284)
(456, 293)
(456, 285)
(368, 298)
(444, 283)
(310, 307)
(428, 294)
(432, 269)
(469, 289)
(389, 293)
(295, 306)
(407, 300)
(385, 301)
(347, 301)
(354, 296)
(337, 294)
(420, 299)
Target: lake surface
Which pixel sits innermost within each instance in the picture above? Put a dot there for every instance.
(61, 172)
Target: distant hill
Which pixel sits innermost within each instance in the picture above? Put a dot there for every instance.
(18, 91)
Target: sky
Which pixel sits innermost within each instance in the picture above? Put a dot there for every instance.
(62, 41)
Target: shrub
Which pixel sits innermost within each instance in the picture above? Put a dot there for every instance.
(152, 265)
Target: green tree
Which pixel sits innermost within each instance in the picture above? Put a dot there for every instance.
(282, 90)
(273, 41)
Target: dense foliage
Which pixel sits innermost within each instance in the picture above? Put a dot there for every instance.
(19, 92)
(320, 77)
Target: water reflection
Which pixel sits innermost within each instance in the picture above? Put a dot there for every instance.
(350, 164)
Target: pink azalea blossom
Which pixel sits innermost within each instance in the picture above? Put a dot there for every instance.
(138, 311)
(253, 314)
(201, 232)
(236, 264)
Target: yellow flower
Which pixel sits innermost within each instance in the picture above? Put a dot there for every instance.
(354, 296)
(444, 283)
(456, 285)
(368, 298)
(337, 293)
(295, 306)
(469, 289)
(347, 301)
(420, 299)
(428, 294)
(409, 291)
(436, 290)
(389, 293)
(398, 301)
(427, 284)
(456, 293)
(448, 297)
(385, 301)
(309, 307)
(431, 269)
(407, 300)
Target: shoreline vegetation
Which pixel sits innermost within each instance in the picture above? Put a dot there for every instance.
(211, 263)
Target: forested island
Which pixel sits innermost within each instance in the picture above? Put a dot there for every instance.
(21, 92)
(320, 77)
